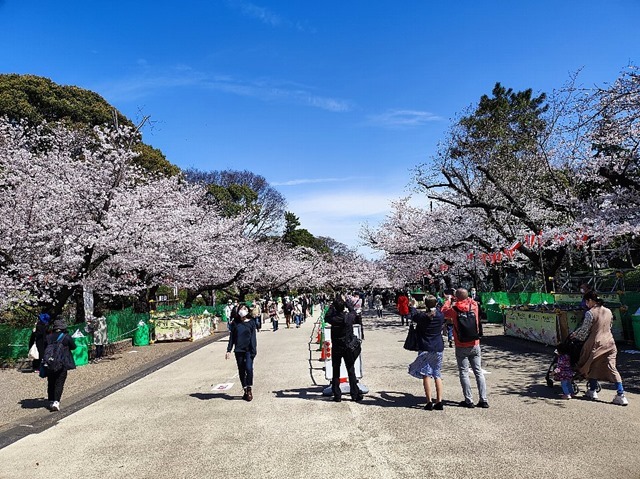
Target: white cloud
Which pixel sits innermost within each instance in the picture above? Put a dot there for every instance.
(182, 76)
(402, 118)
(342, 205)
(308, 181)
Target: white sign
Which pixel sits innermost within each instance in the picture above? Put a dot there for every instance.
(222, 387)
(328, 367)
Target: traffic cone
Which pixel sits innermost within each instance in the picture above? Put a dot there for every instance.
(326, 351)
(319, 337)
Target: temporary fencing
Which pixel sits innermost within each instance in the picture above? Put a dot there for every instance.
(121, 325)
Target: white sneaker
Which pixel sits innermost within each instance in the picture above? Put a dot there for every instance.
(55, 406)
(591, 394)
(620, 400)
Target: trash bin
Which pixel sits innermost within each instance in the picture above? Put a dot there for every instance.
(635, 324)
(81, 353)
(494, 313)
(141, 336)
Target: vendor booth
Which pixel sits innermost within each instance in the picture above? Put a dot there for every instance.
(170, 326)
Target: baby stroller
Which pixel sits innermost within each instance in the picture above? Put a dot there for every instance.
(574, 347)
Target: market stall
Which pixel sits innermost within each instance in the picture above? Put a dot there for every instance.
(550, 324)
(171, 326)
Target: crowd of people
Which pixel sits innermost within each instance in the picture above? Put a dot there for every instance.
(454, 314)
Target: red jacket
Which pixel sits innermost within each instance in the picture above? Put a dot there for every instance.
(403, 305)
(451, 315)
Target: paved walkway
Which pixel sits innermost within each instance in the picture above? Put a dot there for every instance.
(170, 424)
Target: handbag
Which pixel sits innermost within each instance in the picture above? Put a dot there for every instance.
(33, 352)
(354, 344)
(411, 343)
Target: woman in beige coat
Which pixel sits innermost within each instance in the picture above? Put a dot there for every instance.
(598, 356)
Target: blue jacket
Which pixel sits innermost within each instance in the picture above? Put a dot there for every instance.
(243, 336)
(429, 330)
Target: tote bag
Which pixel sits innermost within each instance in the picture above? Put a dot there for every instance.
(411, 343)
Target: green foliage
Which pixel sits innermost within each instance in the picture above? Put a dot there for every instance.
(37, 99)
(234, 199)
(294, 236)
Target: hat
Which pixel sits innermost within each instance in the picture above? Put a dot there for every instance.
(44, 318)
(59, 324)
(229, 302)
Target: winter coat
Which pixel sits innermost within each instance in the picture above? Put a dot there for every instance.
(68, 344)
(39, 336)
(403, 305)
(341, 326)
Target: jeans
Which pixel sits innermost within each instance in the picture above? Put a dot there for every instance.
(566, 387)
(55, 384)
(449, 332)
(297, 319)
(274, 322)
(245, 368)
(471, 357)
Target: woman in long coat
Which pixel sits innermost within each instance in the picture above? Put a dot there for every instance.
(598, 356)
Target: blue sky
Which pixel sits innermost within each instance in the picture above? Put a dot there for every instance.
(333, 102)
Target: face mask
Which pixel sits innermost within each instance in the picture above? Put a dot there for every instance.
(582, 290)
(242, 313)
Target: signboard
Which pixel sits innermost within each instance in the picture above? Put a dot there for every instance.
(567, 298)
(328, 365)
(532, 325)
(173, 329)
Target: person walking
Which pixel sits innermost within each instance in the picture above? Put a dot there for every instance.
(60, 339)
(377, 304)
(598, 356)
(341, 335)
(462, 311)
(272, 308)
(428, 364)
(403, 308)
(243, 337)
(38, 337)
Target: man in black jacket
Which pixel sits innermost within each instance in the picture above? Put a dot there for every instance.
(342, 334)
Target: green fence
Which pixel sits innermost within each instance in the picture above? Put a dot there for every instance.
(121, 325)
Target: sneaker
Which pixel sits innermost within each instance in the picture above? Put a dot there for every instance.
(593, 395)
(55, 406)
(438, 406)
(620, 400)
(429, 406)
(483, 404)
(565, 396)
(469, 405)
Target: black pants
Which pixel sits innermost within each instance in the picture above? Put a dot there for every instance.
(337, 355)
(99, 350)
(55, 384)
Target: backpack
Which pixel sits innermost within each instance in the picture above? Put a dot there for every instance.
(54, 355)
(467, 328)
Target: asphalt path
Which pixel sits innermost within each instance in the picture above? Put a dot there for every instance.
(172, 423)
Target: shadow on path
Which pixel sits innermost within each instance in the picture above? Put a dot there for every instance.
(35, 403)
(207, 396)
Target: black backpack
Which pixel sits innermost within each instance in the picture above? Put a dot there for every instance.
(467, 327)
(54, 355)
